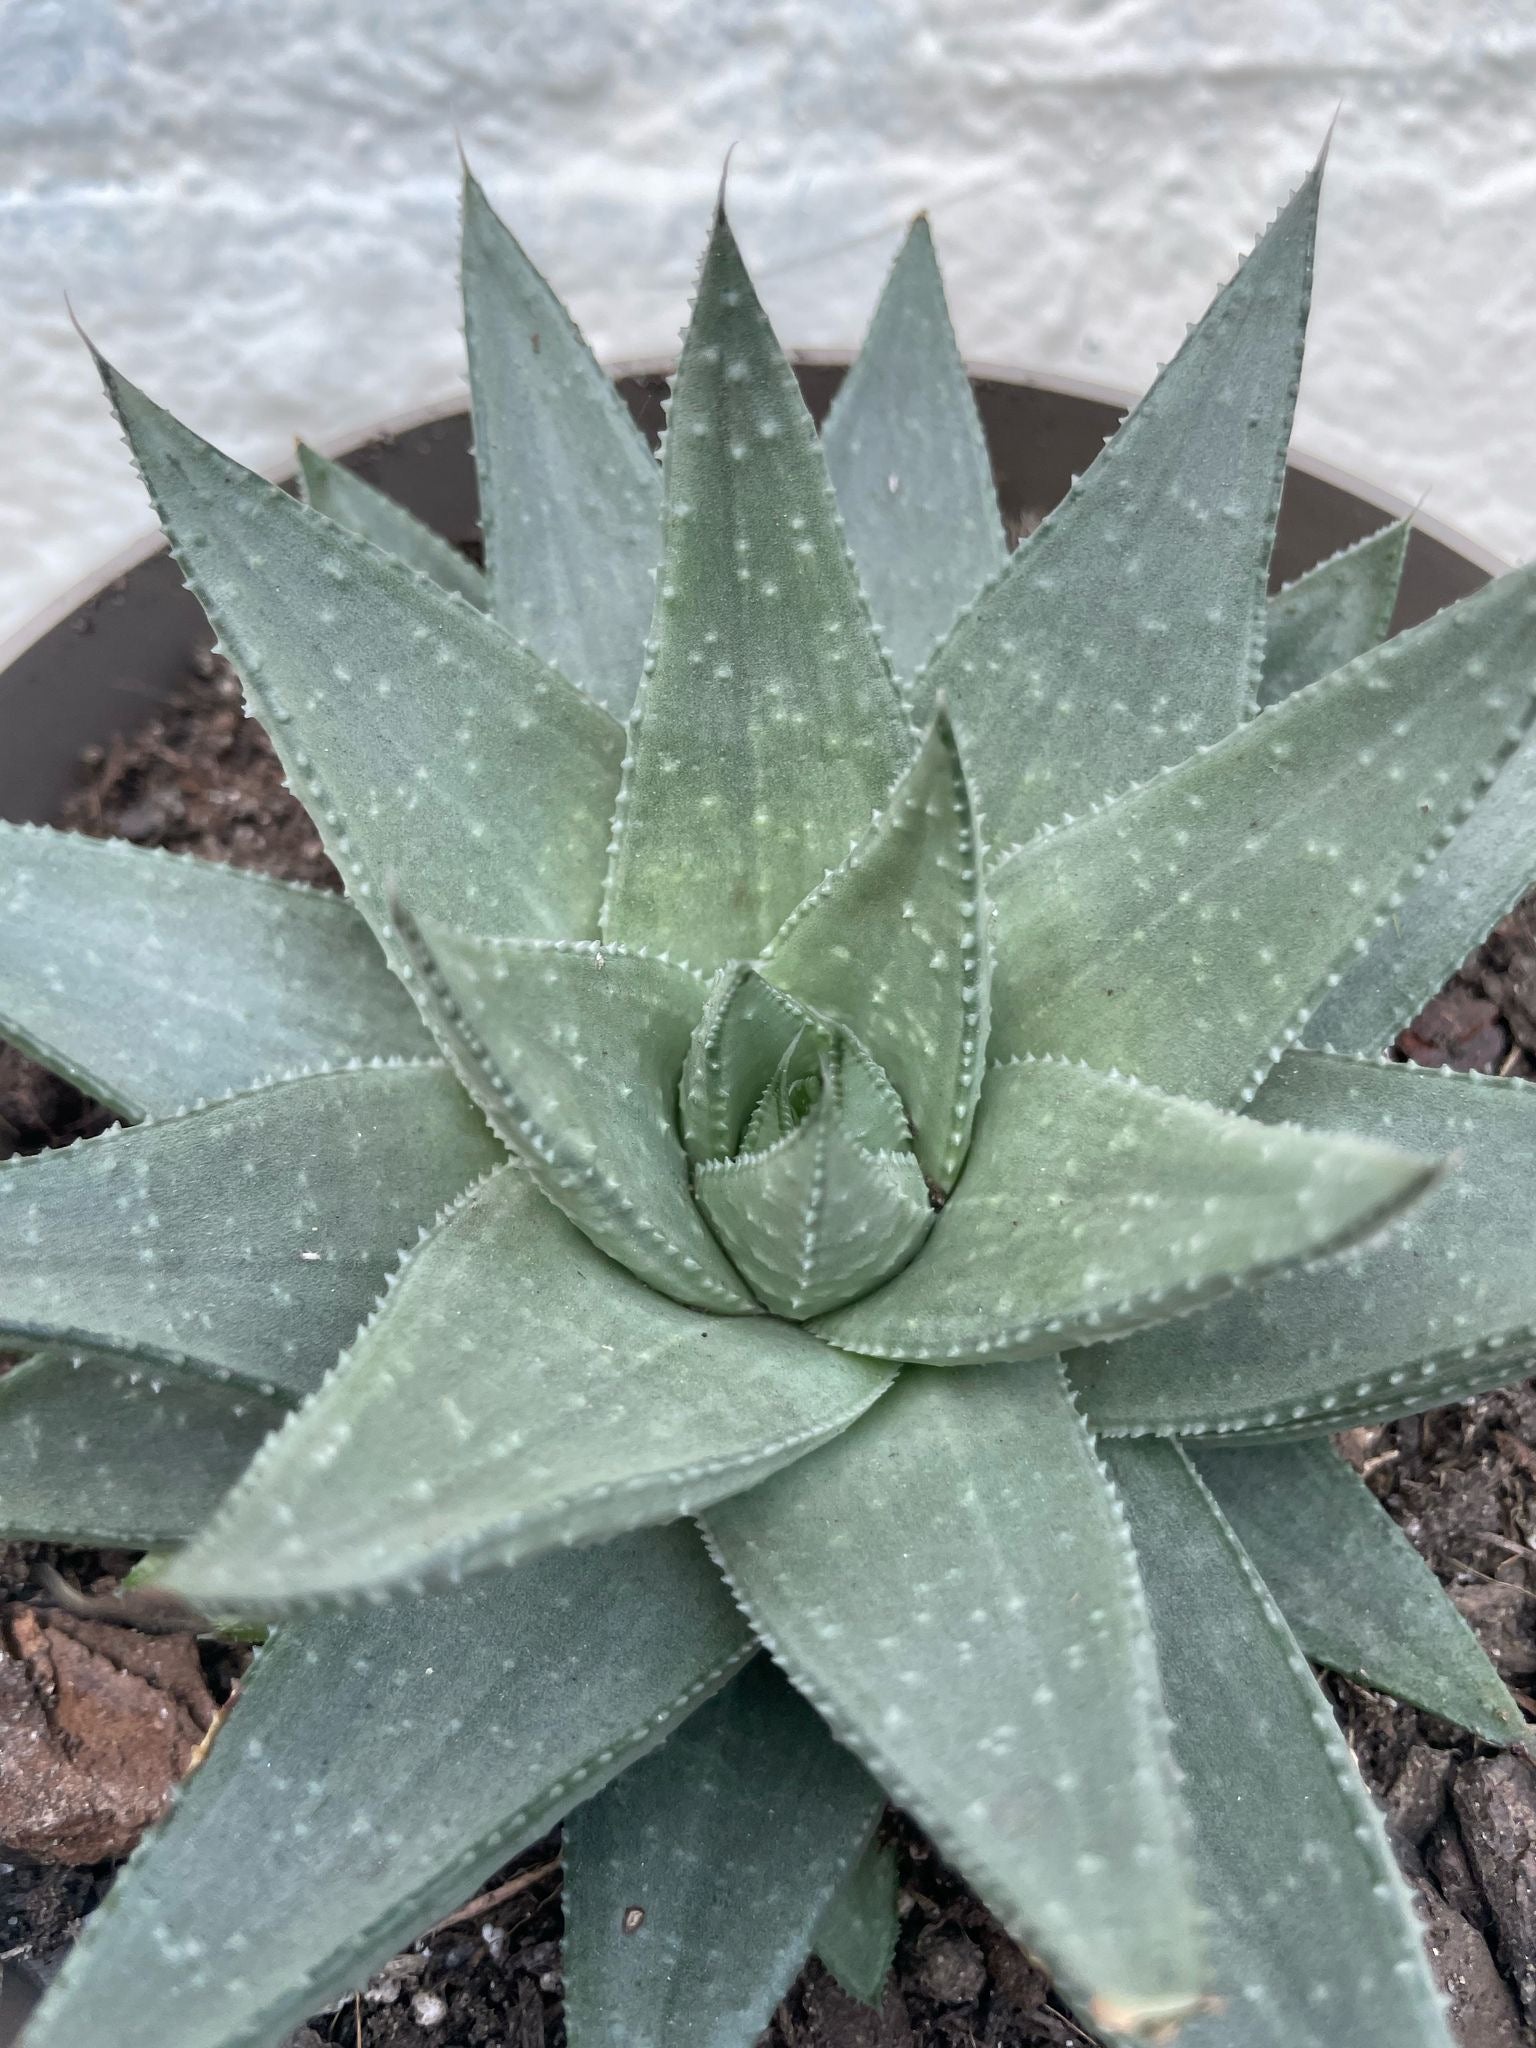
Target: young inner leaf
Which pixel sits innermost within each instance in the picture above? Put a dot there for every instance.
(812, 1217)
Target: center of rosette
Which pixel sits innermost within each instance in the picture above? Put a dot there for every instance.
(803, 1160)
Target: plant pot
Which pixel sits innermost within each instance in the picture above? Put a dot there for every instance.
(100, 660)
(103, 659)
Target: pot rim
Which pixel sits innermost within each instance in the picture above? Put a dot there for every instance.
(393, 425)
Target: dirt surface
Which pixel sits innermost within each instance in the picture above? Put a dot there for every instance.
(97, 1725)
(1484, 1020)
(201, 778)
(1462, 1481)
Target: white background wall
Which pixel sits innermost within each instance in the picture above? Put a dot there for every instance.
(252, 205)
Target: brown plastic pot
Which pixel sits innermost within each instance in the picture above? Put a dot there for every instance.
(101, 659)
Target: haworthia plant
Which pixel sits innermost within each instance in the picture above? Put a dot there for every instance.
(1135, 613)
(1340, 609)
(1441, 1307)
(569, 492)
(151, 980)
(750, 1112)
(1484, 871)
(857, 1934)
(1358, 1595)
(709, 1869)
(910, 466)
(350, 501)
(153, 1459)
(1313, 1931)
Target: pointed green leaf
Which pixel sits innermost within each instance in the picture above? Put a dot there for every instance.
(91, 1454)
(804, 1070)
(1313, 1933)
(342, 495)
(1180, 933)
(149, 978)
(872, 1108)
(725, 1846)
(515, 1391)
(871, 1111)
(1092, 1204)
(423, 741)
(247, 1238)
(894, 944)
(816, 1219)
(570, 494)
(1358, 1595)
(746, 1029)
(909, 463)
(1340, 609)
(1441, 1307)
(1452, 907)
(767, 729)
(1129, 629)
(857, 1934)
(377, 1766)
(748, 1047)
(573, 1051)
(975, 1632)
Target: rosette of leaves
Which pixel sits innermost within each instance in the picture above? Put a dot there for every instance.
(798, 1234)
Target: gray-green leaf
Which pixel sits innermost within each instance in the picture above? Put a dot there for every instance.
(92, 1454)
(1458, 899)
(1129, 629)
(909, 464)
(767, 730)
(342, 495)
(725, 1846)
(894, 944)
(982, 1644)
(1314, 1937)
(816, 1218)
(1340, 609)
(517, 1390)
(150, 979)
(1181, 933)
(804, 1077)
(573, 1051)
(425, 743)
(1092, 1205)
(856, 1935)
(1442, 1306)
(1358, 1595)
(246, 1239)
(378, 1764)
(570, 494)
(750, 1046)
(747, 1031)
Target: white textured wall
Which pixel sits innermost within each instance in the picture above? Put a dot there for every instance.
(251, 203)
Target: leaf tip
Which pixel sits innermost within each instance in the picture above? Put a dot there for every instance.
(725, 172)
(112, 379)
(1322, 155)
(1154, 2020)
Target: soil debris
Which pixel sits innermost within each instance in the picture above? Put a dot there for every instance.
(201, 778)
(98, 1724)
(1484, 1019)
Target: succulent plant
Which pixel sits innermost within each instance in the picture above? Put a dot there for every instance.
(841, 1115)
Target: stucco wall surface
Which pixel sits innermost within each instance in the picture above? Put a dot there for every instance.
(252, 206)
